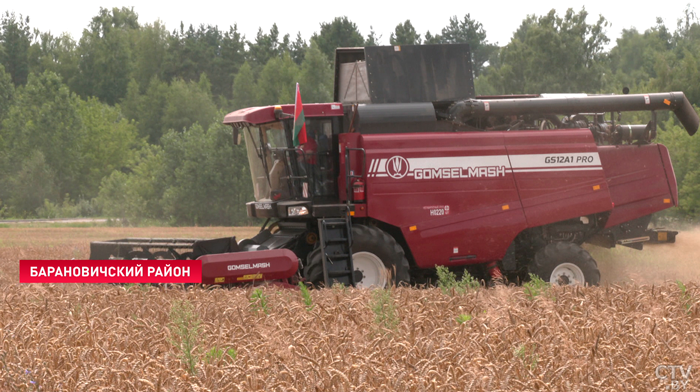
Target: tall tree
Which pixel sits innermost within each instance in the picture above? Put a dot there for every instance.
(106, 55)
(147, 109)
(137, 195)
(405, 34)
(228, 64)
(316, 77)
(470, 32)
(196, 177)
(633, 59)
(187, 103)
(276, 83)
(432, 39)
(32, 184)
(244, 88)
(44, 118)
(685, 153)
(7, 91)
(372, 38)
(553, 54)
(265, 47)
(108, 141)
(207, 50)
(55, 54)
(341, 32)
(150, 50)
(211, 181)
(298, 48)
(15, 40)
(679, 68)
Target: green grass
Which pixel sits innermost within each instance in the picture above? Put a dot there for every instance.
(463, 318)
(385, 312)
(686, 298)
(526, 353)
(259, 301)
(216, 354)
(306, 296)
(448, 283)
(184, 328)
(535, 287)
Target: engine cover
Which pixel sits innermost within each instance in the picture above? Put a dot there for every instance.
(245, 267)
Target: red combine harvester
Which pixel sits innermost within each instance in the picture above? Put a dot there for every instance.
(409, 170)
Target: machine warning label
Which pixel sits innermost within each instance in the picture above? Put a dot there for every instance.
(251, 277)
(437, 210)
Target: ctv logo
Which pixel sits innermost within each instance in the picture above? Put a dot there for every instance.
(673, 377)
(397, 167)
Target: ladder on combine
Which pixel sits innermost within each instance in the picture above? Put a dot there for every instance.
(336, 234)
(336, 251)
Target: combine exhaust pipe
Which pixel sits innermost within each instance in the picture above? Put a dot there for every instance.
(675, 101)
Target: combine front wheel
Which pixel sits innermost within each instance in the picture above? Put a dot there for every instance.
(379, 261)
(565, 263)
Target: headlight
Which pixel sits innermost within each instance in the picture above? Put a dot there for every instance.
(297, 211)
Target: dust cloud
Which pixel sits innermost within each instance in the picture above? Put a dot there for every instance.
(657, 263)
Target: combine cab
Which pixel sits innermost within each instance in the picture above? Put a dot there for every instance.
(409, 170)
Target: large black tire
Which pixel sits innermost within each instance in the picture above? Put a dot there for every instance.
(560, 256)
(313, 271)
(371, 240)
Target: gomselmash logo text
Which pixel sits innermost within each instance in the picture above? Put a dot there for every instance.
(398, 167)
(235, 267)
(483, 166)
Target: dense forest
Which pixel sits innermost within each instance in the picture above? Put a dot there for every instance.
(126, 121)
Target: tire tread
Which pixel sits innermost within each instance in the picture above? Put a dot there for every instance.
(547, 258)
(369, 237)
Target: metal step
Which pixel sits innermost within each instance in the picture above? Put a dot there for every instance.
(336, 243)
(336, 240)
(338, 273)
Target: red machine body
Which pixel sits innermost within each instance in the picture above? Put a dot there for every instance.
(406, 171)
(462, 198)
(240, 267)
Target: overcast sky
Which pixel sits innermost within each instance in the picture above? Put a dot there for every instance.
(499, 18)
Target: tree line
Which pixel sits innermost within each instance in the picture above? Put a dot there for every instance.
(126, 120)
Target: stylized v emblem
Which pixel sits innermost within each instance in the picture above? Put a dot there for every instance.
(397, 165)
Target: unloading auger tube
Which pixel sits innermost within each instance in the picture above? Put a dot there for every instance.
(464, 110)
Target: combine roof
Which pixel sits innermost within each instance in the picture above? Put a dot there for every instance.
(266, 114)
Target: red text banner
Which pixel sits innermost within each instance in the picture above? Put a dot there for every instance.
(110, 271)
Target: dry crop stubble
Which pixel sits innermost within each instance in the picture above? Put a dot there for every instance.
(116, 338)
(113, 338)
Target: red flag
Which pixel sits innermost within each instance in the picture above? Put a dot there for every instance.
(299, 120)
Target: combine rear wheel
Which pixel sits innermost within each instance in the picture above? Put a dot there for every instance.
(378, 259)
(565, 263)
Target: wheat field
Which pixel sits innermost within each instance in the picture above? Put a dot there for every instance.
(142, 338)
